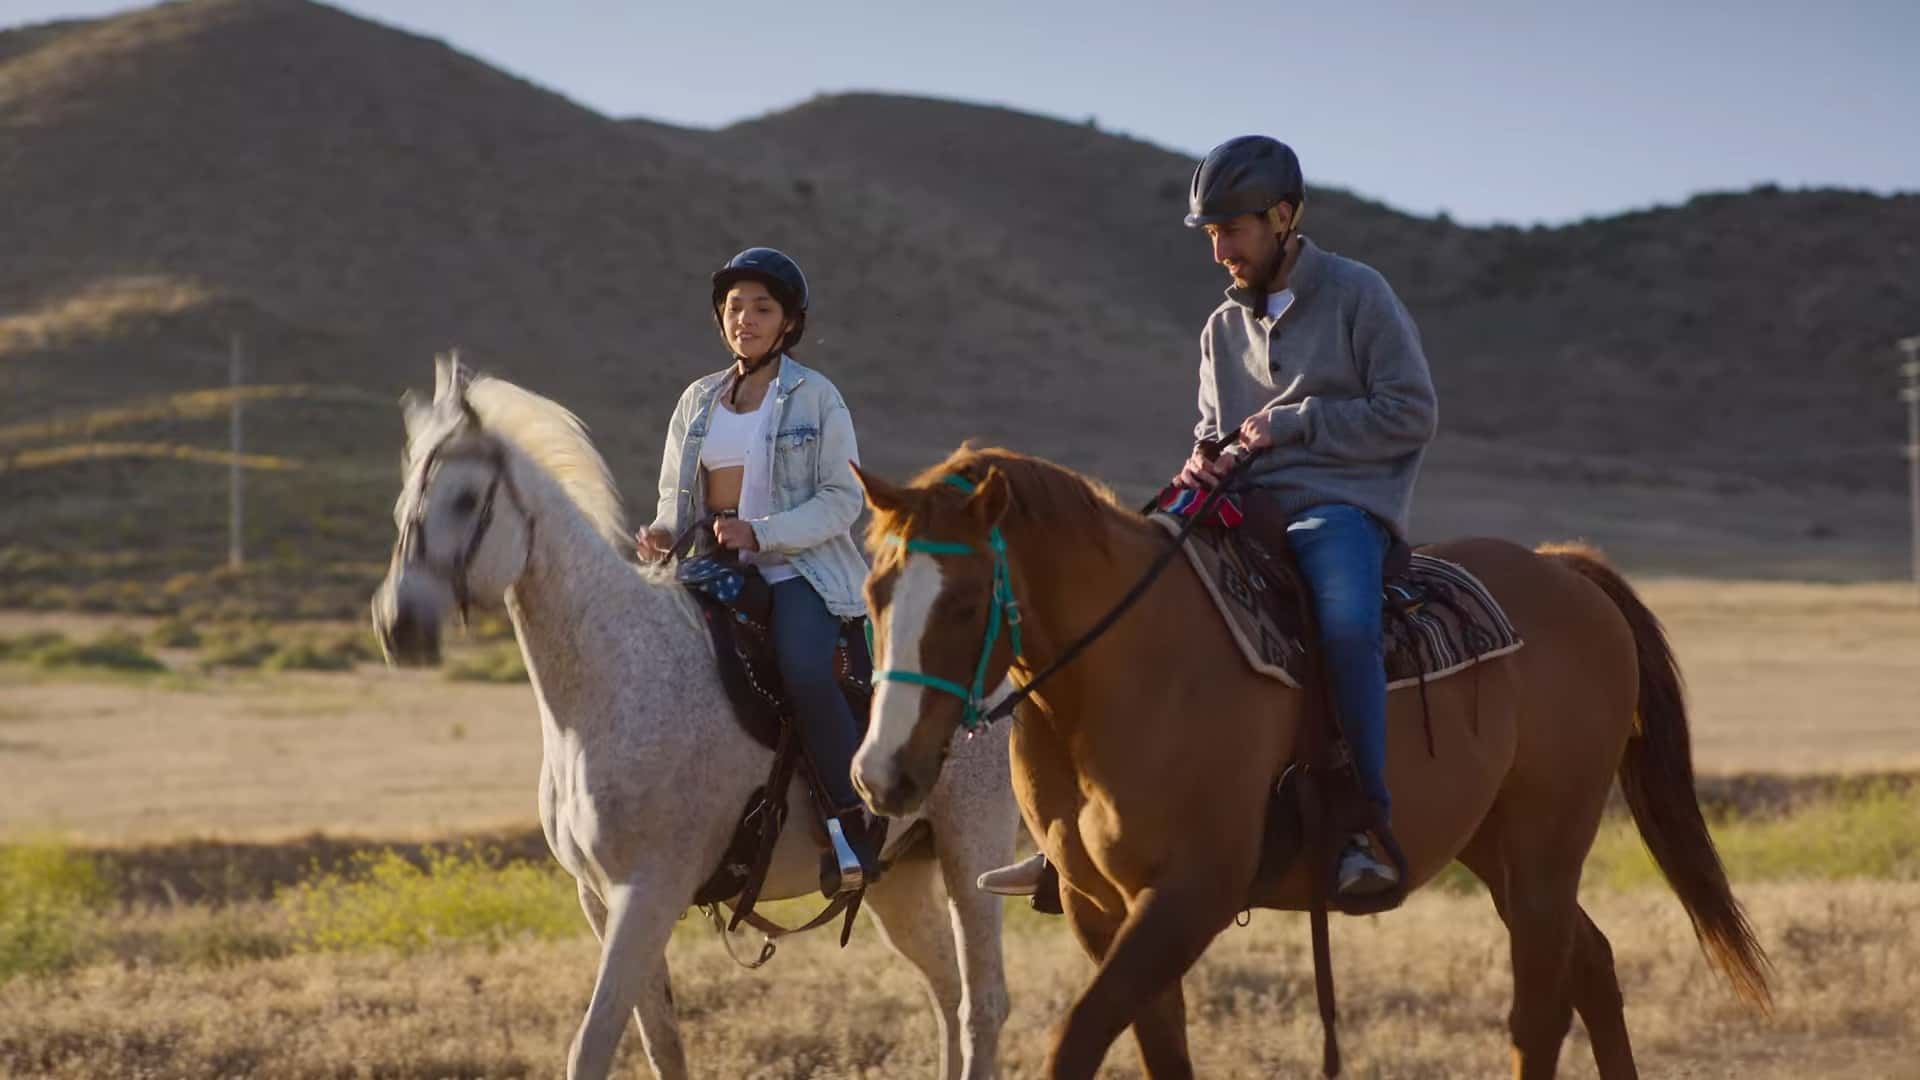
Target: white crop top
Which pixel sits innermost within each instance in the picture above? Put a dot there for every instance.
(729, 434)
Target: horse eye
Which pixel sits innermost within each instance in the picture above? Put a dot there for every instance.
(464, 503)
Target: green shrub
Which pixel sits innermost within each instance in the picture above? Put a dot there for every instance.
(385, 902)
(1870, 834)
(499, 664)
(1873, 834)
(242, 646)
(48, 897)
(490, 627)
(357, 646)
(174, 633)
(24, 646)
(113, 651)
(306, 655)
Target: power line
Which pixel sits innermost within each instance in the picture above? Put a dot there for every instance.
(1910, 393)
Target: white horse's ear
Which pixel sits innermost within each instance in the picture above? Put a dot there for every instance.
(450, 376)
(414, 415)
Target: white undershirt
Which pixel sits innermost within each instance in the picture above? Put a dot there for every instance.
(738, 441)
(730, 436)
(1278, 303)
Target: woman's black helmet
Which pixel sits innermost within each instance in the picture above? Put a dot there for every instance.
(782, 277)
(1248, 175)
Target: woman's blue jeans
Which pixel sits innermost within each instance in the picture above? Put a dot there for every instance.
(804, 634)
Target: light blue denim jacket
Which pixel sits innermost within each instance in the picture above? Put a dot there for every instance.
(816, 497)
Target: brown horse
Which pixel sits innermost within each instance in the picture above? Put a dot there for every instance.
(1144, 767)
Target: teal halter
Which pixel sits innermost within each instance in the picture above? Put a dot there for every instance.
(1004, 608)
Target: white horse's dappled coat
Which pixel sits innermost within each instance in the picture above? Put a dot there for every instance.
(645, 769)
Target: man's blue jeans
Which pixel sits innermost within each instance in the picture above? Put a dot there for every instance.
(1341, 550)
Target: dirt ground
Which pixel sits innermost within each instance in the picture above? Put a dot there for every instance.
(1785, 678)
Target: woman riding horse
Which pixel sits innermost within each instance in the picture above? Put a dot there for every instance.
(764, 448)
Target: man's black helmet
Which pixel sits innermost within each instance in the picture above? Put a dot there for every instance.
(782, 277)
(1248, 175)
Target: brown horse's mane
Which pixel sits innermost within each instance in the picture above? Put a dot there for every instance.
(1051, 497)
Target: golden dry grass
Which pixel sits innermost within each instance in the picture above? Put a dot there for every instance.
(1790, 677)
(1424, 993)
(1785, 678)
(47, 457)
(98, 309)
(212, 404)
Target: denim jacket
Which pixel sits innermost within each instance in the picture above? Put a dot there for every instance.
(816, 497)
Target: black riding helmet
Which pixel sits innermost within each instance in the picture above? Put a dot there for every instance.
(1248, 175)
(782, 277)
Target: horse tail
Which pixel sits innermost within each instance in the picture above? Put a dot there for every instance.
(1656, 776)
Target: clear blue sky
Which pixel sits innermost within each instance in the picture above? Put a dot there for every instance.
(1520, 111)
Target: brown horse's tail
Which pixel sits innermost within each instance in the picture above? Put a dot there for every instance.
(1656, 776)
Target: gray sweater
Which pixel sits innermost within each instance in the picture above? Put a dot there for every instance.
(1342, 373)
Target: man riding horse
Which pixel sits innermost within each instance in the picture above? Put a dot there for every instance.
(1322, 360)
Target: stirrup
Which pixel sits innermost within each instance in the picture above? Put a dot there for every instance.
(1361, 874)
(841, 870)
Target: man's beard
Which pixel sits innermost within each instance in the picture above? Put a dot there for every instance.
(1263, 275)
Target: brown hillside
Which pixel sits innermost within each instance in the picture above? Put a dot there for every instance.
(283, 157)
(351, 197)
(1747, 334)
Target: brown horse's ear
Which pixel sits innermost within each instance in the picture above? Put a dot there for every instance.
(988, 503)
(881, 495)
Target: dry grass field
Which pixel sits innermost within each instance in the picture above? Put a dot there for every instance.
(1424, 994)
(1794, 680)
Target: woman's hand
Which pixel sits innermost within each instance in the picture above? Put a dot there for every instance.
(735, 534)
(653, 544)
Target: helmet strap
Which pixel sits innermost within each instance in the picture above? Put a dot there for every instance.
(1280, 264)
(750, 366)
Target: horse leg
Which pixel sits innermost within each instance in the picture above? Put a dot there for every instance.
(1597, 998)
(1138, 984)
(597, 918)
(1160, 1029)
(595, 911)
(1538, 901)
(911, 913)
(975, 926)
(633, 977)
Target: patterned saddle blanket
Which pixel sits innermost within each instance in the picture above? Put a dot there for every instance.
(1439, 619)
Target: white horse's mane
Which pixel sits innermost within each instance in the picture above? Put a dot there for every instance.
(554, 439)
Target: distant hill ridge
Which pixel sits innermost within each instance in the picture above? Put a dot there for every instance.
(352, 197)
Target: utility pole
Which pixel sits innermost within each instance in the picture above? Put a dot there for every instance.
(236, 555)
(1910, 393)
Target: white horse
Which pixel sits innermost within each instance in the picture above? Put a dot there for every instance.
(645, 769)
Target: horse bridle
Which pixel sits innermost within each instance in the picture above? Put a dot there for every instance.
(975, 716)
(413, 538)
(1005, 609)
